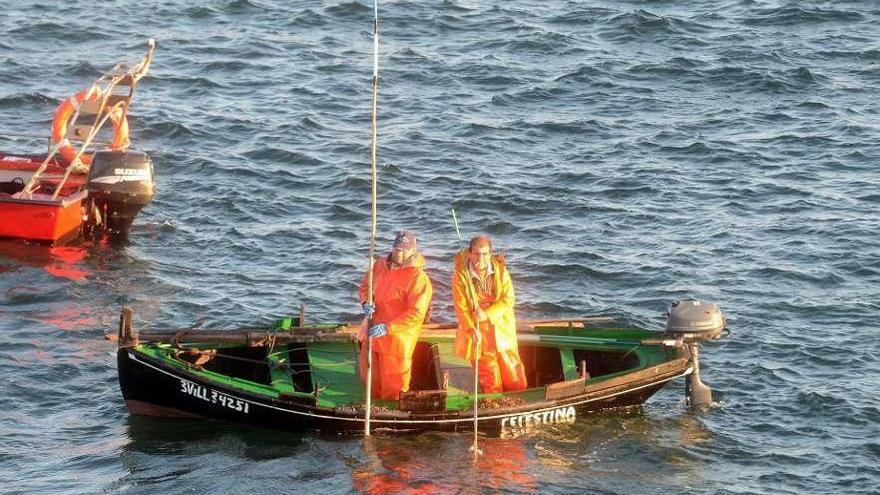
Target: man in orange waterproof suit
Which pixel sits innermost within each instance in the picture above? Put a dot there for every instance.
(401, 298)
(481, 275)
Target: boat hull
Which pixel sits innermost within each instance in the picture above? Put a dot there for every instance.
(152, 388)
(41, 218)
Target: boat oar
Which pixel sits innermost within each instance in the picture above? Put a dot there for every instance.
(373, 216)
(472, 301)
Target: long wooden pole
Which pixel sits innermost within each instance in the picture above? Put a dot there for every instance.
(475, 448)
(374, 214)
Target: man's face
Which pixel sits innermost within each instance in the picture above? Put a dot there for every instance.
(480, 257)
(399, 256)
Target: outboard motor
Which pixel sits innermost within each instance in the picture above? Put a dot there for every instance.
(693, 321)
(120, 184)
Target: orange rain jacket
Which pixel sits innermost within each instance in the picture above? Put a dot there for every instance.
(499, 308)
(402, 296)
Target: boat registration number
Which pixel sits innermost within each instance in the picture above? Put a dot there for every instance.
(213, 396)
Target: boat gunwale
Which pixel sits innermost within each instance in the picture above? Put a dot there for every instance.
(63, 202)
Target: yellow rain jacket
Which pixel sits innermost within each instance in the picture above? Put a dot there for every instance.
(498, 306)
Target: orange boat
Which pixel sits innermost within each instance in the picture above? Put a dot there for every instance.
(81, 186)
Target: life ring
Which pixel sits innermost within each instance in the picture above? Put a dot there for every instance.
(62, 119)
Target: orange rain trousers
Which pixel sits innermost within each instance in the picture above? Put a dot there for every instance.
(391, 374)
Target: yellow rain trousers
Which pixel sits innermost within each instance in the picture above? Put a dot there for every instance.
(500, 368)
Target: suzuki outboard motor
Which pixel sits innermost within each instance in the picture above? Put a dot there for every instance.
(120, 184)
(693, 321)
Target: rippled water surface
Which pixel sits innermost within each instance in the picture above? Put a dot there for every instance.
(622, 154)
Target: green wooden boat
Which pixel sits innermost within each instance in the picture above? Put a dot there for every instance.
(294, 377)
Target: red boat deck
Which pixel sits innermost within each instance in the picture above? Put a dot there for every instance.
(37, 216)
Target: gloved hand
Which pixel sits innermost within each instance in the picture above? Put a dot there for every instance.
(480, 315)
(377, 331)
(478, 336)
(369, 309)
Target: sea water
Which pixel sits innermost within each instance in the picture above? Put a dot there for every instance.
(621, 154)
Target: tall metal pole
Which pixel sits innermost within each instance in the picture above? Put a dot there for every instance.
(374, 214)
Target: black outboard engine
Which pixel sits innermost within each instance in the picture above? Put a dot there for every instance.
(120, 184)
(693, 321)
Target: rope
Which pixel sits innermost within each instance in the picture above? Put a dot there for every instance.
(176, 339)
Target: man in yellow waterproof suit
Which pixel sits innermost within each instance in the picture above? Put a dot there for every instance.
(481, 275)
(401, 298)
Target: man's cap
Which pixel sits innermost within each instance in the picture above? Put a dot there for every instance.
(404, 240)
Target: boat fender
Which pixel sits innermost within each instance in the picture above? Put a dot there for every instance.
(62, 118)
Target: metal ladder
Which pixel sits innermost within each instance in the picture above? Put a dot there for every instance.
(115, 89)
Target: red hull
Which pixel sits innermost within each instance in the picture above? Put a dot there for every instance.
(41, 220)
(38, 217)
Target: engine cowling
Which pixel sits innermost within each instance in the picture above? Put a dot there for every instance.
(120, 184)
(694, 320)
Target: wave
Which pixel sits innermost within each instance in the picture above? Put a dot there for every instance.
(30, 99)
(792, 16)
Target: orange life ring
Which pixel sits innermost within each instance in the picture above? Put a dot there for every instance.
(62, 119)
